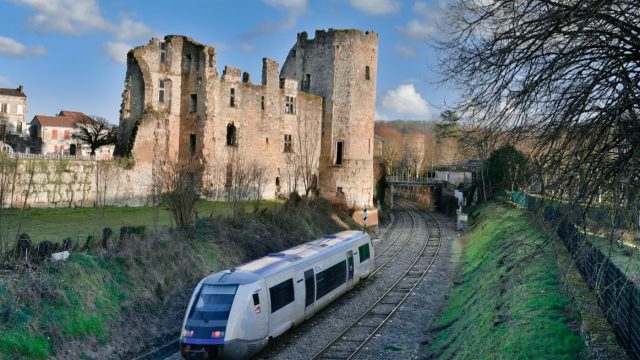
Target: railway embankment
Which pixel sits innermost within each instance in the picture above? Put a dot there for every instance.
(116, 301)
(510, 298)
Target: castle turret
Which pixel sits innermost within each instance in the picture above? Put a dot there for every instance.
(340, 66)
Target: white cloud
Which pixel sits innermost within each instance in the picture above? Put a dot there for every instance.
(246, 47)
(376, 7)
(4, 80)
(405, 100)
(130, 30)
(117, 51)
(380, 116)
(71, 17)
(294, 8)
(11, 47)
(417, 30)
(421, 8)
(407, 51)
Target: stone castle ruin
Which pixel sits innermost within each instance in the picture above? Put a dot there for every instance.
(306, 127)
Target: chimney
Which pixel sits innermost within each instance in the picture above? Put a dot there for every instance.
(21, 89)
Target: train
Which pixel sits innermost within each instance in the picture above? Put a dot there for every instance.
(234, 313)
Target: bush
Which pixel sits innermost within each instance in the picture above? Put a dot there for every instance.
(132, 230)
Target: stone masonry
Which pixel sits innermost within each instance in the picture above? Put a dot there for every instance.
(314, 117)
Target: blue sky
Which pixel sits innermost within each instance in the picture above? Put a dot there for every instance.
(70, 54)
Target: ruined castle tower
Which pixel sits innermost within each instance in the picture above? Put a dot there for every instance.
(340, 66)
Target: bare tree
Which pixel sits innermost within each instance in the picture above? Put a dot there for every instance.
(181, 187)
(564, 75)
(307, 152)
(96, 134)
(391, 155)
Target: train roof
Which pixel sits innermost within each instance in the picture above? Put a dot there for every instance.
(276, 262)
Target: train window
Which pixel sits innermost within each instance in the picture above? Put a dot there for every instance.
(331, 278)
(281, 295)
(256, 299)
(364, 252)
(214, 303)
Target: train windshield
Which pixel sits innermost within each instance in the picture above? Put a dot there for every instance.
(213, 303)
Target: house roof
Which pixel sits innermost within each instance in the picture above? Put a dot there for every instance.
(13, 92)
(64, 119)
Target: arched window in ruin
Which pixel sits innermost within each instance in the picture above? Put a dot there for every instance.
(231, 135)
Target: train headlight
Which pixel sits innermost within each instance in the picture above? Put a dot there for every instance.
(217, 334)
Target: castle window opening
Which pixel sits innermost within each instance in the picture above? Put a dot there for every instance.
(367, 73)
(163, 52)
(289, 105)
(288, 143)
(232, 98)
(192, 144)
(193, 103)
(277, 183)
(231, 135)
(267, 141)
(293, 53)
(161, 95)
(306, 83)
(229, 178)
(339, 152)
(262, 103)
(210, 59)
(187, 64)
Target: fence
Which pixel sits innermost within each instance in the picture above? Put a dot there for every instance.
(618, 296)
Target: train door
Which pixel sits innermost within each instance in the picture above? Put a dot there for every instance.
(261, 311)
(310, 293)
(349, 269)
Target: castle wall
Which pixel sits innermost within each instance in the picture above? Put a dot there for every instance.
(75, 183)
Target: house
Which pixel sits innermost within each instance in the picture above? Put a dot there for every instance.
(13, 112)
(54, 135)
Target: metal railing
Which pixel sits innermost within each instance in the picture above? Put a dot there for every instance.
(618, 296)
(412, 179)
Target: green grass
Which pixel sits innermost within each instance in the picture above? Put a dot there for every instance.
(507, 307)
(55, 224)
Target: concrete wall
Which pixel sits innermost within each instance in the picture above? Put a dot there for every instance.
(71, 183)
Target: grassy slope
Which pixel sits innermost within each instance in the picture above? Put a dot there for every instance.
(507, 308)
(55, 224)
(96, 304)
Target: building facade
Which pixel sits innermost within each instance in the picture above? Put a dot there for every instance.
(176, 108)
(54, 135)
(13, 111)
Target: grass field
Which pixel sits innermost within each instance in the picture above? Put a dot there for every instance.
(78, 223)
(509, 304)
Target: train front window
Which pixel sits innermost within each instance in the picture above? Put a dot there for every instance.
(214, 303)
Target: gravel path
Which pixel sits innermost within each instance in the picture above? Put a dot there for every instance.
(401, 338)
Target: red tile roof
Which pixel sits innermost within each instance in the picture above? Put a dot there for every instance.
(64, 119)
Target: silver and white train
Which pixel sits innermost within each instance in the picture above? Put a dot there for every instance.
(233, 314)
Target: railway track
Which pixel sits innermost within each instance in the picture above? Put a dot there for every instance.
(354, 338)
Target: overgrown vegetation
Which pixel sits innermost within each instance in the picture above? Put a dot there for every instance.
(508, 302)
(101, 302)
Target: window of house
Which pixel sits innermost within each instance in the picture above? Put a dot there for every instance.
(19, 129)
(67, 134)
(288, 144)
(331, 278)
(192, 144)
(289, 105)
(339, 152)
(281, 295)
(193, 103)
(367, 73)
(262, 103)
(231, 135)
(4, 108)
(54, 134)
(232, 98)
(229, 177)
(20, 110)
(163, 52)
(161, 96)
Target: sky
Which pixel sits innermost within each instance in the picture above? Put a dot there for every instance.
(71, 54)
